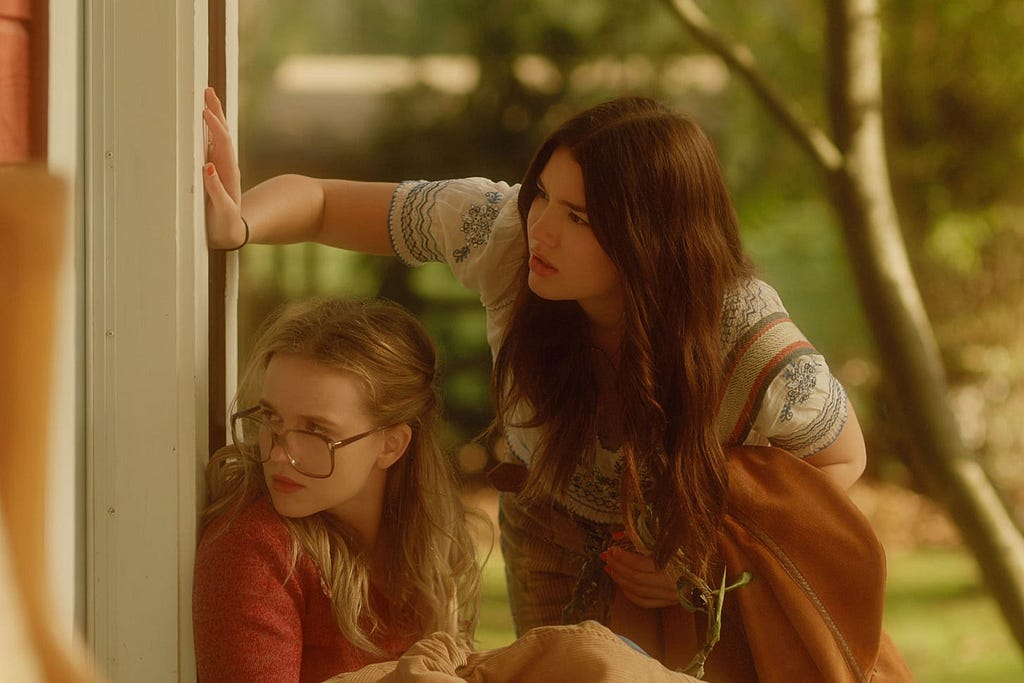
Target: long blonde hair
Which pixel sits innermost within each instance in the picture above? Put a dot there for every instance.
(431, 576)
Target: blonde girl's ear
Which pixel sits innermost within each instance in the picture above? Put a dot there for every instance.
(396, 441)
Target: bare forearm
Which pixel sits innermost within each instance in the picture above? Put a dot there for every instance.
(340, 213)
(284, 210)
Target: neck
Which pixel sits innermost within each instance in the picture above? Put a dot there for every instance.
(363, 514)
(607, 338)
(607, 317)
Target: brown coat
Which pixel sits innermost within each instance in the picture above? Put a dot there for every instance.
(813, 611)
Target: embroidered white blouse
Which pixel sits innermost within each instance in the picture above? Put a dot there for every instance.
(780, 390)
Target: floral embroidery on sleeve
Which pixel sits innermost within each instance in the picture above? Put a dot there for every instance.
(801, 378)
(477, 224)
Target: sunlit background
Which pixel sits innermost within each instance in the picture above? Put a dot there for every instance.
(408, 89)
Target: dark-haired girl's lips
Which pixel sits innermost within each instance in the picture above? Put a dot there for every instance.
(541, 267)
(285, 485)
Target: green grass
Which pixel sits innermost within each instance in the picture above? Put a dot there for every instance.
(945, 623)
(495, 627)
(937, 612)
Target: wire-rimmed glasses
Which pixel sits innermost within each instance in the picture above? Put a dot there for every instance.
(310, 453)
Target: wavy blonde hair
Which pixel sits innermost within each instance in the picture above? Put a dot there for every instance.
(431, 575)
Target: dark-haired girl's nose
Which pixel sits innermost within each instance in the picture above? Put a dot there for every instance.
(539, 226)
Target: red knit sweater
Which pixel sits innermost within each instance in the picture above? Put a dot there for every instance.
(254, 619)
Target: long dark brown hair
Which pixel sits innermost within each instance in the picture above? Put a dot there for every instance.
(657, 203)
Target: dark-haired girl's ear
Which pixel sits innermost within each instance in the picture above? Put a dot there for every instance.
(396, 441)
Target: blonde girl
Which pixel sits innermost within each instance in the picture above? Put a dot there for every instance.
(334, 535)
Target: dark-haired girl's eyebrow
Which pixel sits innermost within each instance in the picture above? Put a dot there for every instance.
(574, 207)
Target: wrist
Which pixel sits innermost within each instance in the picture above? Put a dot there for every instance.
(245, 239)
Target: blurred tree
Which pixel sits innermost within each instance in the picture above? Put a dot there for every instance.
(530, 59)
(853, 162)
(965, 251)
(954, 106)
(955, 124)
(964, 242)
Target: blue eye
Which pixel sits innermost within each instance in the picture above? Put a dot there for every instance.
(315, 428)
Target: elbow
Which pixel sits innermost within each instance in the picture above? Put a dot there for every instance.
(846, 459)
(845, 473)
(856, 466)
(851, 460)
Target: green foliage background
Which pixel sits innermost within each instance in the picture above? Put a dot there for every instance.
(954, 83)
(955, 103)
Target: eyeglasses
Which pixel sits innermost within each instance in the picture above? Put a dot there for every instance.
(310, 453)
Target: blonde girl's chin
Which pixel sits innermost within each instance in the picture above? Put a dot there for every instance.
(288, 508)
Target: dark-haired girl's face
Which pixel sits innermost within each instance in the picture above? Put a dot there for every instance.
(566, 260)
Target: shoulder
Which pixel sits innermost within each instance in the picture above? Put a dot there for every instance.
(247, 560)
(257, 519)
(747, 303)
(255, 535)
(248, 600)
(754, 317)
(778, 385)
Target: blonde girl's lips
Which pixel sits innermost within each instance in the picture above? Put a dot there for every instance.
(285, 485)
(541, 267)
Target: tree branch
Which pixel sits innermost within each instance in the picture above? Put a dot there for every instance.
(740, 59)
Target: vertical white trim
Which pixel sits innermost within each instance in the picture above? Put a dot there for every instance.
(65, 524)
(231, 49)
(146, 330)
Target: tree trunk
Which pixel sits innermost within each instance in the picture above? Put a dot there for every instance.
(856, 172)
(862, 196)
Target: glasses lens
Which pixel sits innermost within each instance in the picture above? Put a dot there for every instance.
(249, 434)
(310, 453)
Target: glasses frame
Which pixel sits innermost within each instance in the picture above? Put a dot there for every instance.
(279, 439)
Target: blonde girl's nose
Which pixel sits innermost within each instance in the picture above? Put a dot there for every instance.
(277, 450)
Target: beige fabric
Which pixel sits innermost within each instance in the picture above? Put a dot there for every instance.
(553, 654)
(20, 659)
(31, 227)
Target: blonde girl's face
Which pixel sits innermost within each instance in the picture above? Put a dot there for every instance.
(298, 393)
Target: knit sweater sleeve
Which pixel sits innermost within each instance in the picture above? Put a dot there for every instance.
(247, 604)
